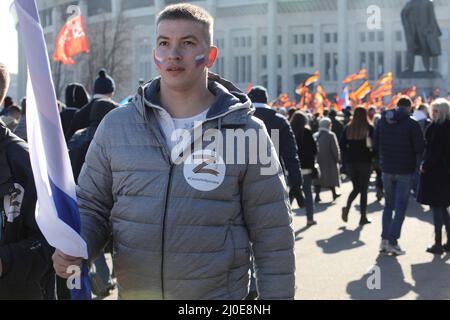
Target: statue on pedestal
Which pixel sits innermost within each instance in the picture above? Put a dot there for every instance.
(422, 32)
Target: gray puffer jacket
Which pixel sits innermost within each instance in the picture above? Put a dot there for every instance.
(172, 240)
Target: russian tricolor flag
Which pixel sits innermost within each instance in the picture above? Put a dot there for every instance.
(56, 210)
(344, 99)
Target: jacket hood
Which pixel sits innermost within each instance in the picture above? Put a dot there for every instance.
(396, 115)
(230, 105)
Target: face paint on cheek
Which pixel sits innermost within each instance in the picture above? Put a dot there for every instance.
(158, 61)
(200, 59)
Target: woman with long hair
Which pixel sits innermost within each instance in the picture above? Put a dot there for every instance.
(307, 151)
(356, 143)
(434, 180)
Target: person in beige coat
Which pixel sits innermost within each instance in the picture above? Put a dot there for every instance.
(328, 158)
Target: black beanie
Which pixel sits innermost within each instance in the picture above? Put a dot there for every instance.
(104, 84)
(258, 94)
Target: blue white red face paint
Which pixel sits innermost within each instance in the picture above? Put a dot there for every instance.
(200, 59)
(158, 61)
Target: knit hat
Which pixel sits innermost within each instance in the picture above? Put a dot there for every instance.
(258, 94)
(325, 123)
(104, 84)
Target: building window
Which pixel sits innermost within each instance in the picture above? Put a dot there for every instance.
(264, 61)
(327, 38)
(249, 41)
(371, 36)
(362, 36)
(279, 85)
(145, 66)
(303, 38)
(398, 62)
(219, 66)
(335, 37)
(303, 59)
(295, 36)
(264, 40)
(311, 60)
(236, 69)
(99, 7)
(243, 68)
(380, 36)
(132, 4)
(280, 61)
(248, 76)
(327, 67)
(280, 40)
(311, 38)
(380, 62)
(371, 65)
(236, 42)
(362, 60)
(264, 81)
(398, 36)
(335, 66)
(295, 60)
(243, 42)
(46, 18)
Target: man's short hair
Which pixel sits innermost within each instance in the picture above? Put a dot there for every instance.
(404, 102)
(190, 12)
(4, 81)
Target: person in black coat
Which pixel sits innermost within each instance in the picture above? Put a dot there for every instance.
(25, 256)
(356, 145)
(288, 146)
(434, 182)
(307, 152)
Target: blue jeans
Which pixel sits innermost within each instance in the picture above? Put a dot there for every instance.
(307, 189)
(397, 189)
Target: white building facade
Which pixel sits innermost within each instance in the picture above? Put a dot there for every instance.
(268, 42)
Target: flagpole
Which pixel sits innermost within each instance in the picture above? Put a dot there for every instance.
(56, 209)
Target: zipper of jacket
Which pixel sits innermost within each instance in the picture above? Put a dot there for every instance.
(163, 229)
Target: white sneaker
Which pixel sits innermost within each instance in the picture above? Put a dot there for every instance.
(384, 245)
(395, 249)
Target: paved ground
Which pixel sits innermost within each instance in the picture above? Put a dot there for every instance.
(336, 260)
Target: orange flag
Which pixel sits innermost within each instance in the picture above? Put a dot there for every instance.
(362, 91)
(312, 79)
(362, 74)
(71, 41)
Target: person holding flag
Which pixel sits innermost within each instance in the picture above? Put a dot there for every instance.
(25, 256)
(181, 231)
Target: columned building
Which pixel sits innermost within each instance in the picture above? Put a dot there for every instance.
(275, 43)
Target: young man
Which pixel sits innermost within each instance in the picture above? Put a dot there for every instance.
(400, 143)
(25, 256)
(182, 230)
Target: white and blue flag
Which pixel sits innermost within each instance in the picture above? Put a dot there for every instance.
(56, 210)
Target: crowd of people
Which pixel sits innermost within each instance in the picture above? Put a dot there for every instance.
(173, 239)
